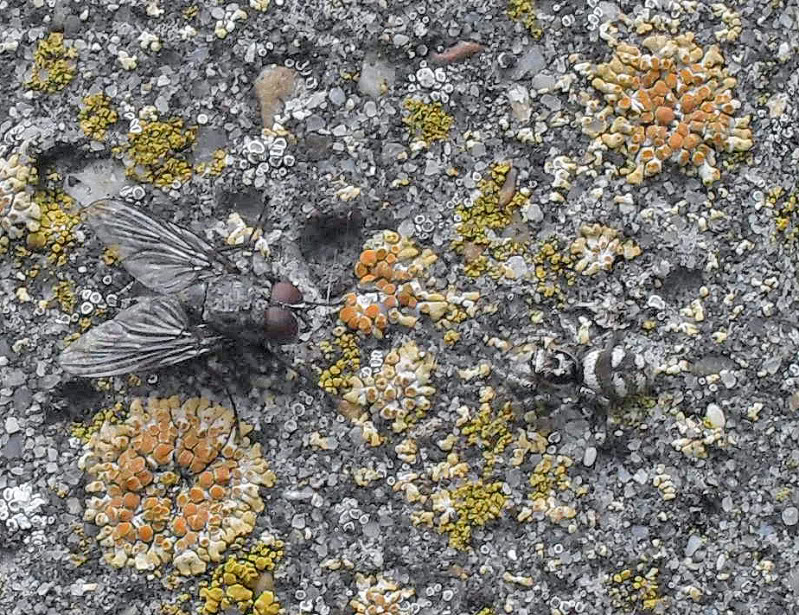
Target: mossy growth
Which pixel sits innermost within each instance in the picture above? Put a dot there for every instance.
(54, 65)
(427, 120)
(344, 356)
(156, 153)
(476, 504)
(524, 11)
(96, 116)
(244, 582)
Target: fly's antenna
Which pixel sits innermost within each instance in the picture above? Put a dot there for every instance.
(305, 304)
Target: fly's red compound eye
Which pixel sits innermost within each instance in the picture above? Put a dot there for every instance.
(280, 324)
(286, 293)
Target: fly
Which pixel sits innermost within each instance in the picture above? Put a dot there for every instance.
(203, 303)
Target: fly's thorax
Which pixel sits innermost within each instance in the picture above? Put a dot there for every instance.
(193, 301)
(235, 305)
(616, 371)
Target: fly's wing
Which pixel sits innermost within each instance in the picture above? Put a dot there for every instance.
(149, 335)
(163, 256)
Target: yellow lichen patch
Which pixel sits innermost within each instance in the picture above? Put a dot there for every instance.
(96, 116)
(400, 391)
(472, 504)
(155, 152)
(245, 582)
(344, 358)
(786, 213)
(64, 295)
(57, 220)
(489, 211)
(54, 65)
(674, 103)
(523, 11)
(550, 478)
(597, 248)
(175, 482)
(697, 436)
(18, 211)
(215, 167)
(427, 121)
(84, 431)
(380, 595)
(631, 590)
(490, 429)
(551, 266)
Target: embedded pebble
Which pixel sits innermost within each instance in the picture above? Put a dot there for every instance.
(715, 416)
(12, 425)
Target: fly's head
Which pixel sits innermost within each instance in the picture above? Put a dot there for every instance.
(280, 322)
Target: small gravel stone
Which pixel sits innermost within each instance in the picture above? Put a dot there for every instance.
(589, 457)
(694, 542)
(715, 416)
(337, 96)
(12, 425)
(529, 64)
(790, 515)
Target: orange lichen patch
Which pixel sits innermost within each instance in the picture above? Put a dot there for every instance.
(145, 521)
(401, 391)
(387, 263)
(145, 533)
(217, 492)
(681, 90)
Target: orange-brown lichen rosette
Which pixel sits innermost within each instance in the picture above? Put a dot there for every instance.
(674, 103)
(174, 482)
(388, 272)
